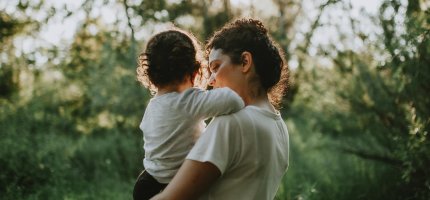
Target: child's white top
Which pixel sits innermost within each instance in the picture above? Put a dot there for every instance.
(173, 122)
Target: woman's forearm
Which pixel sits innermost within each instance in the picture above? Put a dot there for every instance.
(191, 181)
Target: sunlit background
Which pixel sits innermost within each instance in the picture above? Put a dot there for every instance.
(60, 30)
(357, 107)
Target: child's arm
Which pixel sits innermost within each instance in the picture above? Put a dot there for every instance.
(206, 104)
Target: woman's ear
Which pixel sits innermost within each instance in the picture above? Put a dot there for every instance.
(247, 61)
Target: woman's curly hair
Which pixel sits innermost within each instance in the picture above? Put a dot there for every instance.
(169, 57)
(250, 35)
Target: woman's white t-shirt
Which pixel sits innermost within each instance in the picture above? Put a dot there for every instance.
(250, 148)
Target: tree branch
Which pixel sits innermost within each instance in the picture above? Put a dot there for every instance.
(315, 25)
(126, 6)
(370, 156)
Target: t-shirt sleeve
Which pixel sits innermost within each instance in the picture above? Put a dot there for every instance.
(219, 144)
(210, 103)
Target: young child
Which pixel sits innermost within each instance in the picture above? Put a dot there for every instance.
(174, 117)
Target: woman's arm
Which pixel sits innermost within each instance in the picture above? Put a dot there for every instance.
(191, 180)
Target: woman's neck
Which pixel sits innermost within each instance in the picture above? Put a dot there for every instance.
(257, 96)
(263, 103)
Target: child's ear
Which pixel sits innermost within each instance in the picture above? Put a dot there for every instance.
(193, 77)
(197, 65)
(247, 61)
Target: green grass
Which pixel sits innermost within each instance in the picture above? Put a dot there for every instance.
(45, 158)
(58, 166)
(317, 171)
(41, 158)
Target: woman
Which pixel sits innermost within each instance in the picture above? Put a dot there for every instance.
(245, 154)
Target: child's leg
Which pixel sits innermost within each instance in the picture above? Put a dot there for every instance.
(146, 187)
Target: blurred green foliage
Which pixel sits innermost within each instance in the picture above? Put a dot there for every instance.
(358, 122)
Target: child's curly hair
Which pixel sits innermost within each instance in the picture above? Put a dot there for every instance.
(170, 56)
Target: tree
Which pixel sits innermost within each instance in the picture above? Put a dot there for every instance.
(378, 110)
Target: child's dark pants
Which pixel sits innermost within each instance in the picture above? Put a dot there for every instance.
(146, 187)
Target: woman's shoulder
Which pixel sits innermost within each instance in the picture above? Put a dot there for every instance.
(242, 116)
